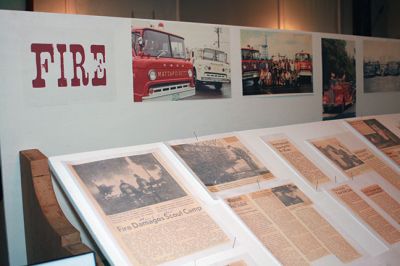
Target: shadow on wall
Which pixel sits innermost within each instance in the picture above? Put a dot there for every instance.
(3, 238)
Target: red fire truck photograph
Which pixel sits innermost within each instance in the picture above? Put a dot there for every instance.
(339, 79)
(276, 62)
(178, 61)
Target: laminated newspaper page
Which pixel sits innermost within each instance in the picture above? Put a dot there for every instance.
(353, 158)
(239, 261)
(222, 163)
(381, 198)
(287, 223)
(341, 156)
(379, 136)
(351, 199)
(237, 256)
(290, 153)
(150, 214)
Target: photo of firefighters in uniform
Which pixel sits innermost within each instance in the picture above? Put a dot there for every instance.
(276, 62)
(127, 183)
(381, 65)
(220, 161)
(179, 61)
(339, 79)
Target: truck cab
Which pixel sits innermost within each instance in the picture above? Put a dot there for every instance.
(369, 70)
(393, 68)
(211, 67)
(303, 65)
(340, 95)
(250, 64)
(161, 70)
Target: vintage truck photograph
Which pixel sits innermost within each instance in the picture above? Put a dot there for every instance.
(276, 62)
(339, 79)
(179, 61)
(381, 66)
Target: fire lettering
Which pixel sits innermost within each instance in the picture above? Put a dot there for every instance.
(75, 81)
(77, 52)
(95, 50)
(38, 49)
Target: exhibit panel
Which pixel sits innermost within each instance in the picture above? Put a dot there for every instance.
(350, 223)
(141, 211)
(278, 217)
(68, 86)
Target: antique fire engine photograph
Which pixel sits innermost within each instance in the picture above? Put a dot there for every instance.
(339, 79)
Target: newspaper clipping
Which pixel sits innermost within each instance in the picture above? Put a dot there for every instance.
(223, 163)
(379, 166)
(148, 211)
(383, 200)
(237, 263)
(379, 136)
(362, 209)
(299, 161)
(286, 222)
(342, 157)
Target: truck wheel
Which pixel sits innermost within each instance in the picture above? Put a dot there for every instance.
(255, 83)
(342, 107)
(218, 85)
(197, 83)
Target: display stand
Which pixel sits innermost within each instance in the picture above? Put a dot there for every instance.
(48, 233)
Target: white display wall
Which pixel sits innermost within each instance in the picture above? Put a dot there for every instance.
(60, 120)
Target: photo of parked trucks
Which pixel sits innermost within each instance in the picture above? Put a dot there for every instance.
(171, 61)
(381, 66)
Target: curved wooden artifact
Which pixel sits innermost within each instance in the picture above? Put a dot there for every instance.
(48, 233)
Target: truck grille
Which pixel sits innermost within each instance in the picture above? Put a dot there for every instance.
(169, 88)
(214, 75)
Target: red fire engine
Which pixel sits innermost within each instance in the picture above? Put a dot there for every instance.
(161, 70)
(303, 64)
(250, 64)
(339, 96)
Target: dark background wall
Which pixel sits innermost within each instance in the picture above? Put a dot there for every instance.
(360, 17)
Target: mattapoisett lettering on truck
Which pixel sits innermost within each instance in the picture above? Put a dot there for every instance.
(211, 67)
(161, 70)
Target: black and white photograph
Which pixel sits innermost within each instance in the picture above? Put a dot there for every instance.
(338, 154)
(220, 161)
(288, 194)
(380, 136)
(127, 183)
